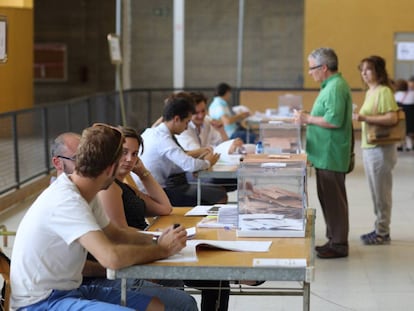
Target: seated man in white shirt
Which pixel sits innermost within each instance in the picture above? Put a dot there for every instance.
(167, 160)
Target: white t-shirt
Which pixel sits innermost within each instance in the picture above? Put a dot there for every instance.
(404, 98)
(46, 252)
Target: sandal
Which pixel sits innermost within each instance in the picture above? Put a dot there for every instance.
(372, 238)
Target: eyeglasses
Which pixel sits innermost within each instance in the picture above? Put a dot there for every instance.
(67, 158)
(121, 139)
(315, 67)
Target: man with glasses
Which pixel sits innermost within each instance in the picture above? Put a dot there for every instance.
(330, 122)
(63, 152)
(65, 222)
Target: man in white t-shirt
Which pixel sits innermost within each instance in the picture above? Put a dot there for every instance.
(63, 151)
(65, 222)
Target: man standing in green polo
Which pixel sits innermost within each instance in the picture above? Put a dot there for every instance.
(328, 146)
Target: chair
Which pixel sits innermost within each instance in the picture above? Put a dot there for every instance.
(5, 233)
(5, 272)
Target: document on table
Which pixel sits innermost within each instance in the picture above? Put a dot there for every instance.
(212, 222)
(204, 210)
(199, 210)
(269, 222)
(189, 253)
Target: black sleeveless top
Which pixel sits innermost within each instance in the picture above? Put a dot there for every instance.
(134, 207)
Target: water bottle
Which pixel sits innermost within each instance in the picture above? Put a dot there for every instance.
(259, 147)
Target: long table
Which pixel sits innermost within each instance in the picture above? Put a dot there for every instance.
(214, 264)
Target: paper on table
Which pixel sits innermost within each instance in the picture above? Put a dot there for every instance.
(189, 254)
(211, 222)
(203, 210)
(269, 222)
(199, 210)
(279, 262)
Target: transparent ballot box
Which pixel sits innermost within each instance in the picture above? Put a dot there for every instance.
(271, 201)
(280, 137)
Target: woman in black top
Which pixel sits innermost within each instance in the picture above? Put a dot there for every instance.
(123, 202)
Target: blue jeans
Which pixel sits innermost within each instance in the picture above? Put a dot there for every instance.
(90, 298)
(172, 298)
(103, 294)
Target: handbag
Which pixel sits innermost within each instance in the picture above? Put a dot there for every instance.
(352, 154)
(386, 134)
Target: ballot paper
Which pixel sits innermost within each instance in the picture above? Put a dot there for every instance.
(189, 253)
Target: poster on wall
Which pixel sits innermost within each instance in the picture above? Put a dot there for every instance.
(405, 51)
(3, 39)
(114, 49)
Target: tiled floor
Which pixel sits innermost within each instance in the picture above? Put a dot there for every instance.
(372, 278)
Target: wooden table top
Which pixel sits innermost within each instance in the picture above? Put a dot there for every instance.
(280, 248)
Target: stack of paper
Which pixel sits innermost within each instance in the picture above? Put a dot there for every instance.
(228, 214)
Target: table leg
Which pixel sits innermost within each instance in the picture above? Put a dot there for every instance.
(123, 291)
(306, 296)
(198, 190)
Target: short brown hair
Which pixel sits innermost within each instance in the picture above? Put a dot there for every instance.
(178, 104)
(198, 97)
(100, 146)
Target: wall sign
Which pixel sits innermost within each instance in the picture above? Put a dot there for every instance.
(115, 49)
(50, 62)
(405, 51)
(3, 39)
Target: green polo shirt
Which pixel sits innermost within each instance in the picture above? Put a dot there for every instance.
(329, 148)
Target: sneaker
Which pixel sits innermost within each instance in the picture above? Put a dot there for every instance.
(372, 238)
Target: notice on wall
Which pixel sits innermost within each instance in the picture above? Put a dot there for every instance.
(3, 39)
(114, 48)
(405, 51)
